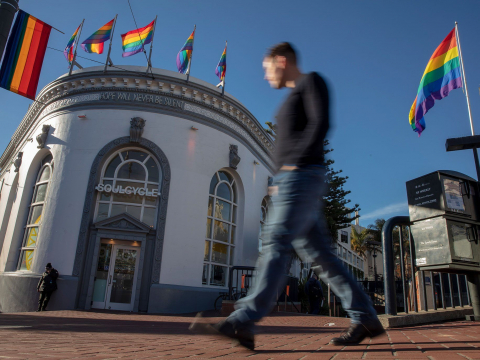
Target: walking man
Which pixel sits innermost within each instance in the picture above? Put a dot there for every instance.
(313, 289)
(46, 286)
(298, 222)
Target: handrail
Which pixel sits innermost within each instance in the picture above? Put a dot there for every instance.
(389, 274)
(388, 262)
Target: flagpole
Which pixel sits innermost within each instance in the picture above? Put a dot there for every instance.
(151, 46)
(223, 86)
(75, 52)
(464, 79)
(475, 153)
(110, 46)
(191, 55)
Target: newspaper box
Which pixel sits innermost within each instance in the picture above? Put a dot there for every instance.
(444, 210)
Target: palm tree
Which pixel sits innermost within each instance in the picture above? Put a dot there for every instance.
(272, 129)
(376, 229)
(359, 241)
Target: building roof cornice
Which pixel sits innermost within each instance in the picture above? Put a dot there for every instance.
(160, 90)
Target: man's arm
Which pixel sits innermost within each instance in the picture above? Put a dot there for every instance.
(40, 283)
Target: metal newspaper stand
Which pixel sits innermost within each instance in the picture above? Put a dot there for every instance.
(444, 208)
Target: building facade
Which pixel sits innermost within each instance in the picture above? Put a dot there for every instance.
(361, 267)
(142, 191)
(350, 259)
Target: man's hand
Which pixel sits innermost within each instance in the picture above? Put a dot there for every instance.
(273, 190)
(288, 168)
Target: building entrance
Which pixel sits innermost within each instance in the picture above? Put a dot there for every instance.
(116, 277)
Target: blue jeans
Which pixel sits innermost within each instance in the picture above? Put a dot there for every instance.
(298, 223)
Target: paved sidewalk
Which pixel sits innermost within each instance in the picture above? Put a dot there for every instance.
(105, 335)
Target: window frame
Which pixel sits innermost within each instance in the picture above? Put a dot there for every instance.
(264, 207)
(1, 187)
(47, 162)
(144, 183)
(232, 226)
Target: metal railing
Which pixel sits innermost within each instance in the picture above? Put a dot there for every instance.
(449, 291)
(242, 278)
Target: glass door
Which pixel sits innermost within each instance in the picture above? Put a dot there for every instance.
(122, 278)
(115, 281)
(101, 276)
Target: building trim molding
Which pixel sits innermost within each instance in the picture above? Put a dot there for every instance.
(90, 86)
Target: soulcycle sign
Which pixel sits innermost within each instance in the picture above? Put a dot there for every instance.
(128, 190)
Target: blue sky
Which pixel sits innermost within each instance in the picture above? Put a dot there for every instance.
(372, 52)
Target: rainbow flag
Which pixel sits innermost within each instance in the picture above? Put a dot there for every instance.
(134, 41)
(222, 65)
(94, 44)
(68, 52)
(24, 55)
(441, 76)
(184, 55)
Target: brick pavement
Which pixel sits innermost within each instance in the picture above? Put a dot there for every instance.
(105, 335)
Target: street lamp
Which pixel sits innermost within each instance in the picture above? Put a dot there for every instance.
(374, 245)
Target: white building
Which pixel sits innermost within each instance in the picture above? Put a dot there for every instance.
(142, 192)
(361, 267)
(351, 260)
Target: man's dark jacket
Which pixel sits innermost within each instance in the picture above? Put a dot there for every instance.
(311, 282)
(48, 282)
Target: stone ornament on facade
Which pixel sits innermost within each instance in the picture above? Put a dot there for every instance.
(42, 137)
(136, 129)
(18, 161)
(233, 157)
(123, 224)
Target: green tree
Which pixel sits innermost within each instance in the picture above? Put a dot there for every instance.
(271, 130)
(375, 229)
(359, 241)
(337, 210)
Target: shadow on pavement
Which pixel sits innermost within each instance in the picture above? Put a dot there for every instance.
(157, 325)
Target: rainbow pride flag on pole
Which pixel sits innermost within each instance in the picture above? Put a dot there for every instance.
(134, 41)
(94, 44)
(441, 76)
(221, 68)
(185, 54)
(68, 52)
(24, 55)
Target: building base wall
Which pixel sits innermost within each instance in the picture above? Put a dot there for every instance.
(18, 293)
(175, 299)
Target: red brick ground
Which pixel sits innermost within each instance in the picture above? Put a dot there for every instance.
(101, 335)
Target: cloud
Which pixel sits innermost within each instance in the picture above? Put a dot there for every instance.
(387, 210)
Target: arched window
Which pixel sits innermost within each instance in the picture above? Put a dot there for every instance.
(130, 183)
(220, 236)
(35, 214)
(263, 220)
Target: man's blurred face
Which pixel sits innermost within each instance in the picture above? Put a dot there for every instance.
(275, 71)
(47, 270)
